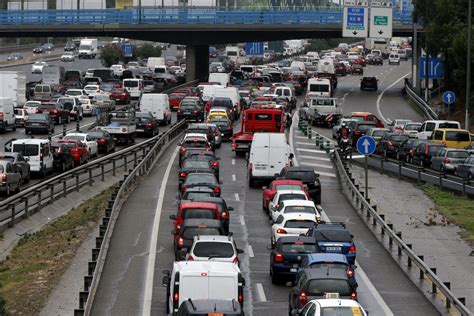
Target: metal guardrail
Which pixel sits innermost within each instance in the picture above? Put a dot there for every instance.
(425, 107)
(34, 198)
(99, 253)
(184, 15)
(363, 205)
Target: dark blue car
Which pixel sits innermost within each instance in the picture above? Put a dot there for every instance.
(334, 238)
(329, 261)
(286, 257)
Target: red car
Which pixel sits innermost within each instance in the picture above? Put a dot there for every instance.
(269, 193)
(120, 95)
(175, 100)
(78, 149)
(198, 210)
(190, 91)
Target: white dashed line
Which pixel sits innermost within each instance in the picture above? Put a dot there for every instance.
(234, 178)
(233, 161)
(250, 251)
(318, 165)
(236, 195)
(260, 292)
(242, 221)
(314, 158)
(311, 150)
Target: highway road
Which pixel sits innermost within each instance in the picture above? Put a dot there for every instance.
(142, 245)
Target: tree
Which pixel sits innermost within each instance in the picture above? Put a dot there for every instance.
(147, 50)
(111, 55)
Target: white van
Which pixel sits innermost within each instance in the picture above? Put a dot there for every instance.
(134, 87)
(159, 106)
(152, 62)
(202, 280)
(160, 69)
(231, 93)
(233, 52)
(248, 68)
(298, 64)
(269, 153)
(7, 114)
(320, 87)
(37, 151)
(208, 92)
(220, 78)
(428, 127)
(394, 58)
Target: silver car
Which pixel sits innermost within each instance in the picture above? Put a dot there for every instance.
(377, 133)
(466, 168)
(448, 159)
(10, 178)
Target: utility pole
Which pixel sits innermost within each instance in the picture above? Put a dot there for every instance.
(427, 55)
(468, 69)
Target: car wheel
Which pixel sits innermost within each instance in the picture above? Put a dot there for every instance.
(7, 190)
(14, 127)
(63, 167)
(398, 156)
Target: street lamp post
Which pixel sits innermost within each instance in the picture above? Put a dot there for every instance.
(468, 69)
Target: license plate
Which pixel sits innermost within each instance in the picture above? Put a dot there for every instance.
(293, 270)
(35, 124)
(117, 99)
(140, 130)
(260, 168)
(333, 248)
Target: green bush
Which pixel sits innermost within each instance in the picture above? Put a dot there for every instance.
(111, 55)
(147, 50)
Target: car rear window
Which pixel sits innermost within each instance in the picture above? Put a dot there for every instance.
(197, 213)
(379, 133)
(198, 164)
(400, 138)
(294, 223)
(188, 106)
(26, 150)
(434, 149)
(365, 127)
(300, 209)
(329, 265)
(448, 125)
(341, 311)
(412, 127)
(458, 154)
(301, 175)
(334, 235)
(196, 195)
(195, 144)
(458, 136)
(298, 247)
(214, 249)
(287, 187)
(321, 286)
(190, 232)
(291, 196)
(201, 178)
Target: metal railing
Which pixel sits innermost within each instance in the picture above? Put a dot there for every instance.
(36, 197)
(422, 105)
(185, 15)
(365, 208)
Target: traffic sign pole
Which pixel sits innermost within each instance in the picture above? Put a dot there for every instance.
(366, 167)
(366, 146)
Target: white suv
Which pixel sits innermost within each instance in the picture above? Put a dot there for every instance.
(394, 59)
(214, 248)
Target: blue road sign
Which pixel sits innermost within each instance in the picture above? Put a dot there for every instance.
(355, 18)
(254, 49)
(449, 97)
(127, 50)
(435, 68)
(366, 145)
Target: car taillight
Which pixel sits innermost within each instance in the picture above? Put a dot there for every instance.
(234, 145)
(39, 110)
(179, 111)
(389, 143)
(1, 115)
(4, 178)
(426, 150)
(182, 174)
(357, 132)
(41, 156)
(195, 111)
(176, 297)
(182, 150)
(224, 215)
(446, 160)
(180, 242)
(217, 190)
(148, 125)
(190, 258)
(302, 298)
(178, 227)
(354, 295)
(352, 248)
(55, 111)
(278, 257)
(236, 260)
(214, 164)
(101, 140)
(350, 273)
(280, 231)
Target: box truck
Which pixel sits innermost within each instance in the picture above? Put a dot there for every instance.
(13, 86)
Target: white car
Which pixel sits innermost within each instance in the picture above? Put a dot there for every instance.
(86, 139)
(68, 56)
(89, 73)
(87, 107)
(21, 115)
(32, 106)
(284, 195)
(292, 224)
(394, 59)
(296, 206)
(91, 90)
(332, 306)
(37, 67)
(214, 248)
(117, 69)
(75, 93)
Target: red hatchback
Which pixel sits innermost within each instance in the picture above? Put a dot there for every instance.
(78, 149)
(120, 95)
(269, 193)
(194, 210)
(175, 100)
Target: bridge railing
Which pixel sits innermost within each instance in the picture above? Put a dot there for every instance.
(182, 16)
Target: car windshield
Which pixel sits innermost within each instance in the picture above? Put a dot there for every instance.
(95, 135)
(399, 138)
(321, 286)
(190, 232)
(434, 149)
(297, 223)
(195, 143)
(298, 247)
(458, 154)
(287, 187)
(300, 209)
(32, 104)
(195, 164)
(458, 136)
(291, 196)
(218, 119)
(214, 249)
(26, 150)
(334, 235)
(412, 127)
(378, 133)
(197, 213)
(74, 92)
(301, 175)
(341, 311)
(195, 178)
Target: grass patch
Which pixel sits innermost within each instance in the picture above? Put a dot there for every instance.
(458, 209)
(39, 260)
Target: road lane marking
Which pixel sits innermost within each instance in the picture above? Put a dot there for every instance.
(250, 250)
(261, 292)
(236, 195)
(314, 158)
(150, 270)
(242, 220)
(318, 165)
(381, 95)
(233, 161)
(234, 178)
(311, 150)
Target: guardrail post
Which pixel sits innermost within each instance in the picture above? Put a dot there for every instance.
(38, 207)
(83, 298)
(399, 170)
(64, 130)
(125, 163)
(90, 176)
(382, 216)
(51, 193)
(433, 285)
(91, 267)
(102, 172)
(135, 158)
(462, 300)
(440, 182)
(95, 253)
(422, 274)
(64, 187)
(448, 302)
(77, 181)
(12, 217)
(409, 259)
(399, 235)
(87, 282)
(78, 127)
(390, 239)
(113, 167)
(310, 133)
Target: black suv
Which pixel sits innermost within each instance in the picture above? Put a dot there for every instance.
(307, 176)
(369, 83)
(315, 283)
(62, 157)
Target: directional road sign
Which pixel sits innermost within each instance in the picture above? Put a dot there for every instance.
(254, 49)
(355, 22)
(366, 145)
(127, 50)
(381, 19)
(435, 68)
(449, 97)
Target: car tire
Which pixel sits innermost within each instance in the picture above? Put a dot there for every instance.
(14, 127)
(274, 279)
(7, 190)
(251, 182)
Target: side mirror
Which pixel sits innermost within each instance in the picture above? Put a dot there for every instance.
(277, 175)
(264, 188)
(230, 234)
(173, 217)
(166, 281)
(240, 251)
(229, 208)
(291, 156)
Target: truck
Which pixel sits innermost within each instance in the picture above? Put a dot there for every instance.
(233, 52)
(122, 126)
(53, 75)
(153, 62)
(13, 86)
(378, 44)
(323, 111)
(88, 48)
(256, 120)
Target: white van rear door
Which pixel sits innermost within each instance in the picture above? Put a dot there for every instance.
(278, 159)
(223, 287)
(194, 286)
(260, 162)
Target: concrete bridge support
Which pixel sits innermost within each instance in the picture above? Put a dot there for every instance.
(197, 62)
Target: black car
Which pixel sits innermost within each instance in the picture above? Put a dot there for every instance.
(378, 61)
(210, 307)
(208, 156)
(193, 166)
(14, 56)
(424, 152)
(390, 143)
(285, 258)
(63, 159)
(407, 149)
(202, 180)
(147, 124)
(359, 129)
(69, 47)
(315, 283)
(39, 122)
(369, 83)
(224, 209)
(307, 176)
(197, 193)
(183, 240)
(190, 111)
(224, 125)
(38, 50)
(105, 141)
(19, 163)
